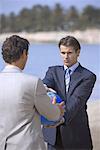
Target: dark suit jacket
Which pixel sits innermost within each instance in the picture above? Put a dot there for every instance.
(75, 132)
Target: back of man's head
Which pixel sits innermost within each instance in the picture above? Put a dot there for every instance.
(13, 48)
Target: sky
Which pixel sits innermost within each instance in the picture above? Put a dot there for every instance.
(8, 6)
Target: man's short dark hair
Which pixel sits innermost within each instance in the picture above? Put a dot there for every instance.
(70, 41)
(13, 48)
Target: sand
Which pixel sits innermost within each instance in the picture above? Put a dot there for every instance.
(90, 36)
(94, 121)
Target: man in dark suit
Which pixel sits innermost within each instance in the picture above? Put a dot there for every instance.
(75, 90)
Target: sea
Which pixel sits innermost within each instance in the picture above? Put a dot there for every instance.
(43, 55)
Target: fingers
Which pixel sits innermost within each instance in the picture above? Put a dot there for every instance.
(62, 108)
(62, 104)
(54, 100)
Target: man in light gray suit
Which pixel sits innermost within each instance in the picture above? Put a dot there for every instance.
(22, 99)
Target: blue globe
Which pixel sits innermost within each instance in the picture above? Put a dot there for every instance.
(45, 121)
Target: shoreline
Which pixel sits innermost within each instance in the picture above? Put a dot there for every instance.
(89, 36)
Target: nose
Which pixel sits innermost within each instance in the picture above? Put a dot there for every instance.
(66, 55)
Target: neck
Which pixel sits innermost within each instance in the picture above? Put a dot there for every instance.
(16, 64)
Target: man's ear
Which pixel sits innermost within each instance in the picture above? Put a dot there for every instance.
(78, 52)
(24, 53)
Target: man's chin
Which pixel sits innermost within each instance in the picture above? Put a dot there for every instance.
(66, 64)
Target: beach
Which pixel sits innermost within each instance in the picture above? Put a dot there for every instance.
(94, 121)
(90, 36)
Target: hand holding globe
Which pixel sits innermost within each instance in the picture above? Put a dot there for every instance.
(54, 98)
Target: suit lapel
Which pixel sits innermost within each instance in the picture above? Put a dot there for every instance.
(61, 76)
(74, 79)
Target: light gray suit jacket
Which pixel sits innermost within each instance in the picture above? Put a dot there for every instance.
(22, 99)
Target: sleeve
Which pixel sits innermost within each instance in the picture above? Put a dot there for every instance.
(77, 100)
(48, 79)
(43, 104)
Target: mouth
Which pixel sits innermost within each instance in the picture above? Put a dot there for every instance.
(66, 61)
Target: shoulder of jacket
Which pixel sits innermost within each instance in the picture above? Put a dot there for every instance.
(87, 71)
(30, 77)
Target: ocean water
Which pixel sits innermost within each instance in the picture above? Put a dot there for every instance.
(43, 55)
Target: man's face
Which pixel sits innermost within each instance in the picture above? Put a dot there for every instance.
(69, 55)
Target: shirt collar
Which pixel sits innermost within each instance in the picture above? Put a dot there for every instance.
(72, 68)
(12, 68)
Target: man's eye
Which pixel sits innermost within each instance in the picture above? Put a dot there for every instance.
(63, 53)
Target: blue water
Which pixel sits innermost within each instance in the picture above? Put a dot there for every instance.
(43, 55)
